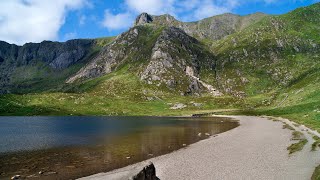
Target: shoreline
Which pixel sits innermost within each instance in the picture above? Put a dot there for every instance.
(255, 149)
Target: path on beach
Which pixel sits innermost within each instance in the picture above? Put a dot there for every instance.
(257, 149)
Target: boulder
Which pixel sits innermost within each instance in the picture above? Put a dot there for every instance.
(147, 173)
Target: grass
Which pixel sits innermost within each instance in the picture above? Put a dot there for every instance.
(297, 146)
(302, 141)
(316, 174)
(297, 135)
(316, 143)
(118, 93)
(287, 126)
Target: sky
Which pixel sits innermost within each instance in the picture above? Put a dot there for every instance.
(23, 21)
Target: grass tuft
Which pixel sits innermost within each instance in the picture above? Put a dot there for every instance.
(316, 143)
(297, 146)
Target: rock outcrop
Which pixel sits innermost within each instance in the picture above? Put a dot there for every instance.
(112, 56)
(174, 53)
(57, 55)
(143, 18)
(18, 63)
(147, 173)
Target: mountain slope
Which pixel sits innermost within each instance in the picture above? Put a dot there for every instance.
(163, 56)
(271, 53)
(35, 67)
(213, 28)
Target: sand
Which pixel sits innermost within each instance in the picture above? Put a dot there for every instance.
(257, 149)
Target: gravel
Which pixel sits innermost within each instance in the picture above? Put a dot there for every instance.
(257, 149)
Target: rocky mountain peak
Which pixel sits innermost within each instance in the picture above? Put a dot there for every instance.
(143, 18)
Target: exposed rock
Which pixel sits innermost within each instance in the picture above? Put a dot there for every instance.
(178, 106)
(196, 83)
(197, 104)
(113, 55)
(42, 57)
(16, 177)
(143, 19)
(148, 173)
(172, 53)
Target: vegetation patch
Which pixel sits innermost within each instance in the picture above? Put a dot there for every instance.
(302, 141)
(287, 126)
(316, 174)
(297, 135)
(316, 143)
(297, 146)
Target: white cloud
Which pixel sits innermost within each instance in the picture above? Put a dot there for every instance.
(34, 20)
(205, 8)
(151, 6)
(117, 21)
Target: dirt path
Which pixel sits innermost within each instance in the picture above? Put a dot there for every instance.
(257, 149)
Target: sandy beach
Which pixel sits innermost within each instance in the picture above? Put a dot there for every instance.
(257, 149)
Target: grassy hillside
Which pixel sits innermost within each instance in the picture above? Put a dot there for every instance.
(119, 93)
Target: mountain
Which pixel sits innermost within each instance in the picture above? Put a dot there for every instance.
(164, 56)
(213, 28)
(29, 67)
(161, 66)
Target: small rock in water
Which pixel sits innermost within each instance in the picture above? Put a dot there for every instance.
(150, 154)
(40, 172)
(15, 177)
(183, 144)
(128, 157)
(207, 134)
(199, 134)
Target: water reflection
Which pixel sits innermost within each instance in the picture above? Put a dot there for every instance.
(79, 146)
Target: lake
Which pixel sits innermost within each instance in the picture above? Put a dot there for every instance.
(72, 147)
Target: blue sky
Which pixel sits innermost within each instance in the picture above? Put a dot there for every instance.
(24, 21)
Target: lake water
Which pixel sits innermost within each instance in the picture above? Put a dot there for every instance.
(71, 147)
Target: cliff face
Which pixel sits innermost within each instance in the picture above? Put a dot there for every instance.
(56, 55)
(36, 61)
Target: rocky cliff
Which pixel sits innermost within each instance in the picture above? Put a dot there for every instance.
(37, 61)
